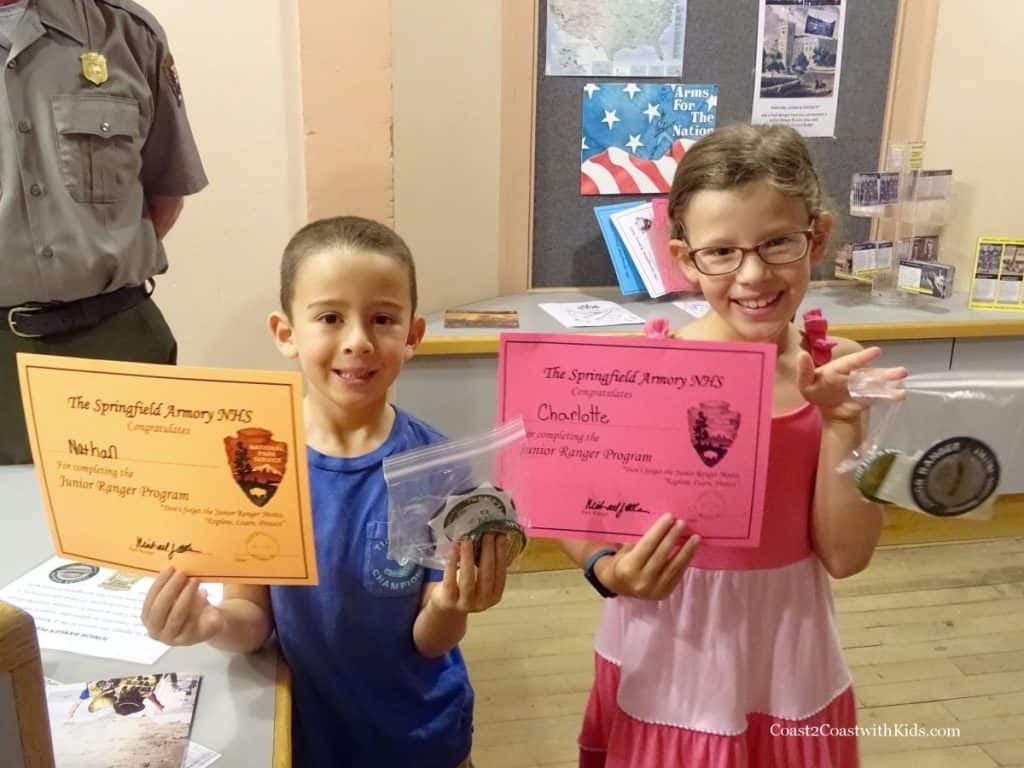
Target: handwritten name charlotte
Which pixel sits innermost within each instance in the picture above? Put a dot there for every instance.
(614, 384)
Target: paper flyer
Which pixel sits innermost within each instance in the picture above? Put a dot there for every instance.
(799, 59)
(145, 466)
(623, 430)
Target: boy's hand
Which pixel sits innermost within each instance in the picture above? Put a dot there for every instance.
(827, 386)
(650, 568)
(177, 612)
(468, 587)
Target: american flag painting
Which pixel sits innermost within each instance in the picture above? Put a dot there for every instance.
(634, 135)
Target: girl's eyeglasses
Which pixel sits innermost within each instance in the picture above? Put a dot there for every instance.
(783, 249)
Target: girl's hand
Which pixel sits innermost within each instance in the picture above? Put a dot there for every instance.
(827, 386)
(650, 568)
(177, 612)
(468, 587)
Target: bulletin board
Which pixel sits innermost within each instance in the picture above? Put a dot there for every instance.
(720, 48)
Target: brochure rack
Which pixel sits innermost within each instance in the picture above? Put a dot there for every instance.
(911, 207)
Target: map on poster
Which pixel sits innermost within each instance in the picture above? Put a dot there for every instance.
(615, 37)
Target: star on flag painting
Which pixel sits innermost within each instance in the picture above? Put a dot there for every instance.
(634, 135)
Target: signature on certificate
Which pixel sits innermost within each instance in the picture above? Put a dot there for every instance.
(597, 506)
(172, 548)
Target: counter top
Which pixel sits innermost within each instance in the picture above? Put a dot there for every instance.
(849, 308)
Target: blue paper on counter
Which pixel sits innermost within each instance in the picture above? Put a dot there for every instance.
(625, 271)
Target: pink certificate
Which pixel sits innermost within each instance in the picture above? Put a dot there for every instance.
(622, 430)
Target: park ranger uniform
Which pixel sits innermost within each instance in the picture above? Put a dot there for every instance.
(92, 124)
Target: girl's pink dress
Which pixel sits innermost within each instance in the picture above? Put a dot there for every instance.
(741, 667)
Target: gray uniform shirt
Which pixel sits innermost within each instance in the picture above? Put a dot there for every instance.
(78, 160)
(10, 15)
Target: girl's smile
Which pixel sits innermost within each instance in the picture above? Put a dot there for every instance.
(758, 306)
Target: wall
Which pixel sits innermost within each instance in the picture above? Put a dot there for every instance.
(447, 128)
(973, 120)
(345, 54)
(271, 96)
(239, 67)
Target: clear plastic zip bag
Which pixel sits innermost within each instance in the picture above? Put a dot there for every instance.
(944, 442)
(460, 489)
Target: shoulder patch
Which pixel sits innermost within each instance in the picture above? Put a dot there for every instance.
(170, 73)
(145, 17)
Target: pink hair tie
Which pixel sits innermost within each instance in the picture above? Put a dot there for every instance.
(816, 339)
(656, 328)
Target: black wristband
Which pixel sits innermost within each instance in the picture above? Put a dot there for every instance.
(591, 576)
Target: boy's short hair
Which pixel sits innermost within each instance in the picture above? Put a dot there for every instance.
(341, 233)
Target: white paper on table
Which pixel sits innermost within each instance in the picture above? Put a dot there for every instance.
(199, 756)
(696, 307)
(633, 226)
(88, 610)
(591, 314)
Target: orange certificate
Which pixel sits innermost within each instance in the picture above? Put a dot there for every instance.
(142, 466)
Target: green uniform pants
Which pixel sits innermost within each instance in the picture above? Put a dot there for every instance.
(138, 334)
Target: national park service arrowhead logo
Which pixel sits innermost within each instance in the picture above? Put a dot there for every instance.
(713, 427)
(257, 463)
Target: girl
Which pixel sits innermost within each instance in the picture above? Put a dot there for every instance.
(730, 658)
(378, 678)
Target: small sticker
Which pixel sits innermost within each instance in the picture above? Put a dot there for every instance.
(121, 582)
(257, 463)
(954, 476)
(73, 573)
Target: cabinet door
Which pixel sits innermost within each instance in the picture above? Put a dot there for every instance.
(997, 355)
(457, 394)
(10, 739)
(989, 354)
(918, 356)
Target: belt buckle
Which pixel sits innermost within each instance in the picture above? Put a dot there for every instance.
(12, 324)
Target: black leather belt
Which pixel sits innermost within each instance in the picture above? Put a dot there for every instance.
(34, 321)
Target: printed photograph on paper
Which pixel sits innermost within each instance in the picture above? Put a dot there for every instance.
(123, 722)
(799, 50)
(798, 64)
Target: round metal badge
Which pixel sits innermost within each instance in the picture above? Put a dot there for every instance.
(475, 512)
(954, 476)
(464, 510)
(871, 473)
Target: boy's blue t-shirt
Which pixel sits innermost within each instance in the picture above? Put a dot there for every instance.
(363, 696)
